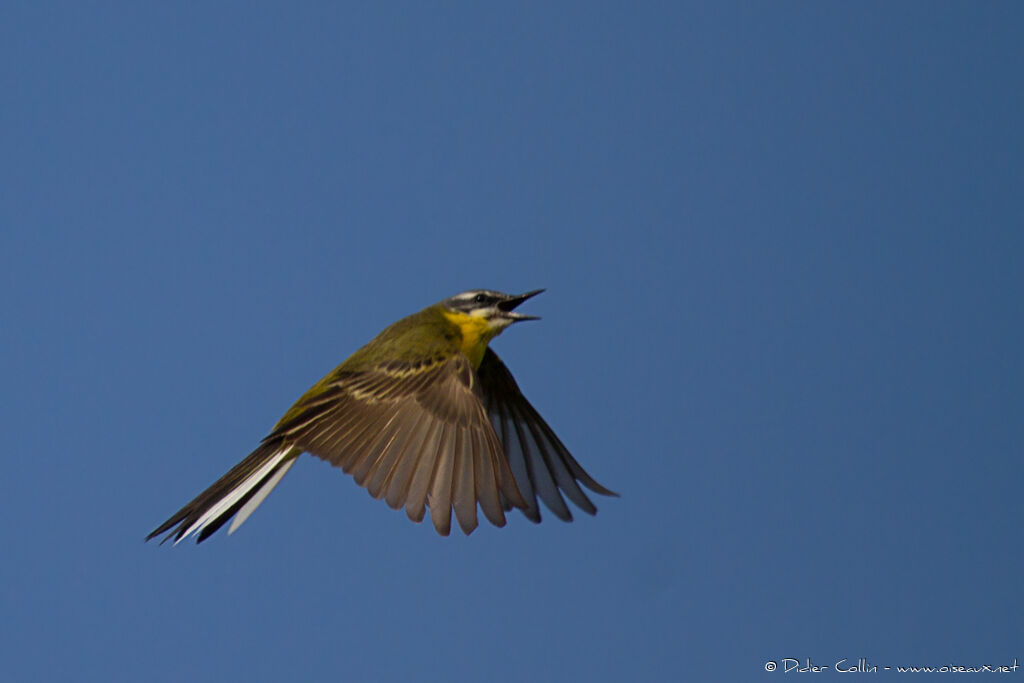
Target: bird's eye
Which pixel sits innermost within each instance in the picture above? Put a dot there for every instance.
(480, 298)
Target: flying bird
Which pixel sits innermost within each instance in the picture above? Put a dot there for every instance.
(424, 416)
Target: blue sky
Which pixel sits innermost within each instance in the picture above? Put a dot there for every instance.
(783, 250)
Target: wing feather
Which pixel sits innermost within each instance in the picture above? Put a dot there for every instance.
(415, 506)
(406, 428)
(376, 447)
(540, 475)
(440, 497)
(463, 490)
(539, 461)
(357, 442)
(398, 489)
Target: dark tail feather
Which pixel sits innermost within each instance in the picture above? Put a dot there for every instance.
(208, 511)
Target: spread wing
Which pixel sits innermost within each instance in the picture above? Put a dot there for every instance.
(415, 434)
(540, 462)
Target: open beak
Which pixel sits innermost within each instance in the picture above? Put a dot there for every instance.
(510, 303)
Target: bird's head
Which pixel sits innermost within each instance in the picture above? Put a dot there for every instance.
(495, 308)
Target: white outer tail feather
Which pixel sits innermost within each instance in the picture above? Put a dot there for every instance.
(239, 492)
(255, 501)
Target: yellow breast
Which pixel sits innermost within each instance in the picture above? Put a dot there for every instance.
(476, 333)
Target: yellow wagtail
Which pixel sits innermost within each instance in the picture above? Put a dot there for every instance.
(424, 415)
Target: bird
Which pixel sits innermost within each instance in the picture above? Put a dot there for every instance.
(425, 416)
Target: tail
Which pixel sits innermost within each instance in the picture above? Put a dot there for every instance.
(240, 491)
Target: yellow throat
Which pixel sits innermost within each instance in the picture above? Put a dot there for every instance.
(477, 331)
